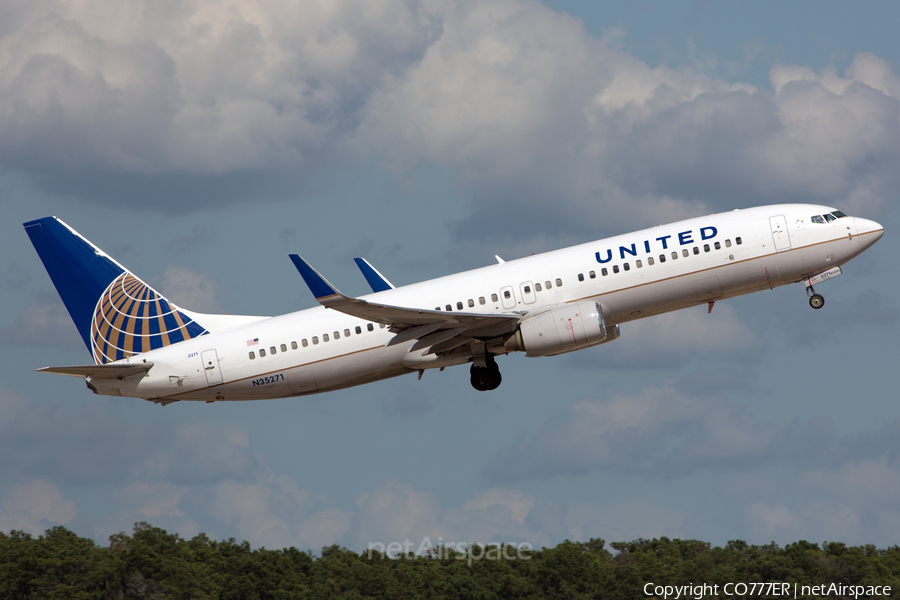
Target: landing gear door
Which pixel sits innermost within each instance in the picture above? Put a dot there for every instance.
(780, 233)
(211, 367)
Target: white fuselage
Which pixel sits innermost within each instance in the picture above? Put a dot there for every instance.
(631, 276)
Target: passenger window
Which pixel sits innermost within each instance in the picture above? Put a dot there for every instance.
(615, 268)
(581, 277)
(650, 261)
(592, 275)
(325, 337)
(537, 287)
(718, 246)
(471, 303)
(675, 255)
(337, 335)
(448, 308)
(262, 352)
(437, 308)
(252, 355)
(548, 285)
(346, 333)
(481, 300)
(284, 347)
(684, 253)
(604, 272)
(506, 294)
(706, 247)
(315, 340)
(696, 250)
(370, 326)
(304, 343)
(626, 266)
(272, 350)
(459, 306)
(293, 345)
(527, 289)
(358, 330)
(639, 264)
(662, 258)
(494, 298)
(381, 325)
(817, 219)
(559, 283)
(738, 241)
(728, 243)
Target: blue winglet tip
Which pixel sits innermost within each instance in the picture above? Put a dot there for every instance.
(375, 280)
(317, 284)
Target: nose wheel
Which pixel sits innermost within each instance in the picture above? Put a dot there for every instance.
(486, 378)
(817, 301)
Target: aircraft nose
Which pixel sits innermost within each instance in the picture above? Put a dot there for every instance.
(868, 231)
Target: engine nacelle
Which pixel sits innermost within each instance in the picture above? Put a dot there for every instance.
(560, 329)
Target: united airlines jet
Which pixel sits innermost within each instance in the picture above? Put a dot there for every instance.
(146, 347)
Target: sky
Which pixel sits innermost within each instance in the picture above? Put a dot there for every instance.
(199, 143)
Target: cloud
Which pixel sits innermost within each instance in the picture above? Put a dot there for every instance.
(663, 432)
(33, 506)
(672, 340)
(44, 323)
(199, 88)
(89, 445)
(527, 112)
(190, 289)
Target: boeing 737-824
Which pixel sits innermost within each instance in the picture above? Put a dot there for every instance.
(146, 347)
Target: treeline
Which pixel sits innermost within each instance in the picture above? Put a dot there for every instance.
(154, 564)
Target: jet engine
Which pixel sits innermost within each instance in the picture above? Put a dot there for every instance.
(561, 328)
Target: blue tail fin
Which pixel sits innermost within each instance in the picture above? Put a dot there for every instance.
(117, 314)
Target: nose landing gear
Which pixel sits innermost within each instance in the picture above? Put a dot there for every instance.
(817, 301)
(486, 378)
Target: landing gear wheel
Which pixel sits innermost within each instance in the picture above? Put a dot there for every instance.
(485, 379)
(816, 301)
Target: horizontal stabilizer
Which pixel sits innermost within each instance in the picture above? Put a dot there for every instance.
(110, 371)
(376, 280)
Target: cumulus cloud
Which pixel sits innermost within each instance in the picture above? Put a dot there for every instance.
(201, 87)
(663, 432)
(529, 113)
(673, 339)
(89, 445)
(33, 506)
(190, 289)
(395, 511)
(43, 323)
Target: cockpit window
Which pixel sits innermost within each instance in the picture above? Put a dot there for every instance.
(817, 219)
(830, 218)
(839, 214)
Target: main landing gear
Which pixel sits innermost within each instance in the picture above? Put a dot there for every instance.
(815, 300)
(486, 378)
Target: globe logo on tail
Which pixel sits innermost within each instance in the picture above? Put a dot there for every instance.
(131, 318)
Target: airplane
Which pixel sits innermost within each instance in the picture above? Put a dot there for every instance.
(548, 304)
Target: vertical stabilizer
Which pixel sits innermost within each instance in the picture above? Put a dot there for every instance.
(116, 313)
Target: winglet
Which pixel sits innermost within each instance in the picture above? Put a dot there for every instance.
(318, 285)
(376, 280)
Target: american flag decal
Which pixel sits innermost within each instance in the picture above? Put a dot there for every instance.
(253, 342)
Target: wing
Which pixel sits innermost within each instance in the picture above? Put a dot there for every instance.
(377, 281)
(108, 371)
(441, 331)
